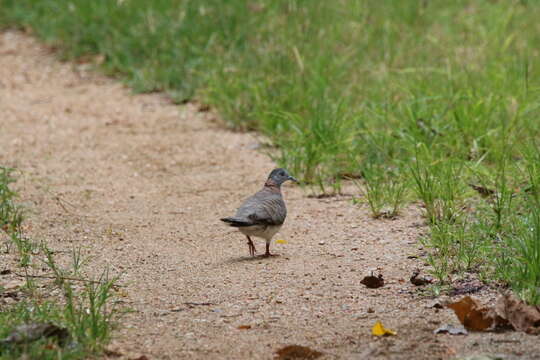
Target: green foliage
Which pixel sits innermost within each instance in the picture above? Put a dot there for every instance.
(85, 309)
(11, 217)
(430, 97)
(384, 190)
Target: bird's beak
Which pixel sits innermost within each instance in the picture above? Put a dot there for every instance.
(293, 179)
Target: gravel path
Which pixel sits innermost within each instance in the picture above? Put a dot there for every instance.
(140, 184)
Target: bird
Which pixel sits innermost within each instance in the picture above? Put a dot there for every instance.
(262, 214)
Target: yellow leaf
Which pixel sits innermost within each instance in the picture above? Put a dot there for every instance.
(281, 241)
(379, 330)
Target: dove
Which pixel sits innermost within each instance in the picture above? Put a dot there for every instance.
(262, 214)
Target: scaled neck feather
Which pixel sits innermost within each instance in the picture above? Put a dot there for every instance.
(272, 186)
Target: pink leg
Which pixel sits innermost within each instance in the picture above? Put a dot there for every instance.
(267, 253)
(251, 246)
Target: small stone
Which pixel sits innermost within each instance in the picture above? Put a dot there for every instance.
(322, 242)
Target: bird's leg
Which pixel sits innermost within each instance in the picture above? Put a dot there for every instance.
(267, 253)
(251, 246)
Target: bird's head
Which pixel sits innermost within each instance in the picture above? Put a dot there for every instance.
(278, 177)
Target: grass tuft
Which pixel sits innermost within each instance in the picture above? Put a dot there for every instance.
(84, 311)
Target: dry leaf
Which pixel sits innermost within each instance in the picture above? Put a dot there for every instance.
(466, 286)
(451, 329)
(372, 281)
(30, 332)
(291, 352)
(472, 315)
(420, 280)
(281, 241)
(482, 190)
(112, 353)
(510, 311)
(244, 327)
(379, 330)
(521, 316)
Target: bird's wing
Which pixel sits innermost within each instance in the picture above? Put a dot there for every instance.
(264, 208)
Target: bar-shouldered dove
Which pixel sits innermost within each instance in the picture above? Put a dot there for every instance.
(262, 214)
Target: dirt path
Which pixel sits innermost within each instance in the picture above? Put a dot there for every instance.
(140, 184)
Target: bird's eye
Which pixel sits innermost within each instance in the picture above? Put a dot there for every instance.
(282, 174)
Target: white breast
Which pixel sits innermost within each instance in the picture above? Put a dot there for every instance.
(262, 231)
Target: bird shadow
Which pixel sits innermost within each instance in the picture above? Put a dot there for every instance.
(242, 259)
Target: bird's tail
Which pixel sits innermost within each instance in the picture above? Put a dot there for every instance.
(236, 222)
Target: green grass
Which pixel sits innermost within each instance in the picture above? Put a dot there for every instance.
(420, 99)
(84, 308)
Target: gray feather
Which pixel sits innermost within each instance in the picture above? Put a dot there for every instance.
(266, 207)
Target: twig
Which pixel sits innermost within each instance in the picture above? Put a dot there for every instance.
(62, 278)
(198, 303)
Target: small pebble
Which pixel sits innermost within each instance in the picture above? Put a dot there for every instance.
(321, 242)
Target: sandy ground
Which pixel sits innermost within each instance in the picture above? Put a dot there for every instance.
(140, 184)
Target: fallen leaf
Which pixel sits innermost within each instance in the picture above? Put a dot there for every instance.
(521, 316)
(482, 190)
(203, 108)
(466, 286)
(192, 304)
(291, 352)
(472, 315)
(420, 280)
(372, 281)
(10, 294)
(30, 332)
(379, 330)
(244, 327)
(451, 329)
(5, 272)
(281, 241)
(112, 353)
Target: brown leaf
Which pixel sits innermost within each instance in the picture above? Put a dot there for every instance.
(472, 315)
(451, 329)
(482, 190)
(467, 286)
(420, 280)
(244, 327)
(521, 316)
(291, 352)
(30, 332)
(372, 281)
(203, 108)
(112, 353)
